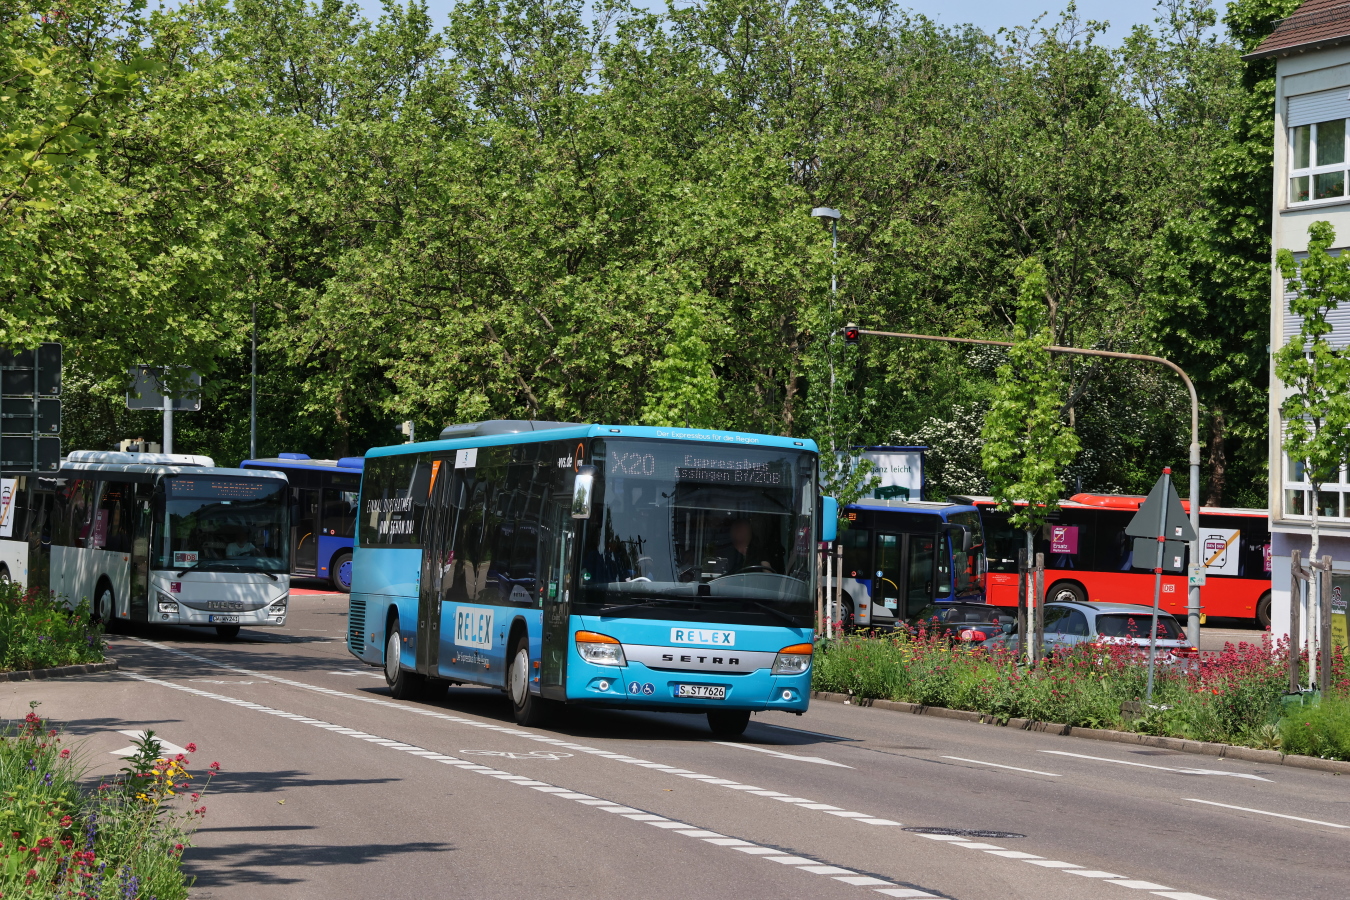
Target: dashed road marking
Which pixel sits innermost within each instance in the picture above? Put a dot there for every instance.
(801, 863)
(1262, 812)
(980, 762)
(1183, 771)
(618, 757)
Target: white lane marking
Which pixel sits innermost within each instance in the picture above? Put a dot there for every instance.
(1183, 771)
(1262, 812)
(605, 754)
(1180, 895)
(980, 762)
(1141, 885)
(810, 759)
(1093, 873)
(801, 863)
(533, 754)
(165, 747)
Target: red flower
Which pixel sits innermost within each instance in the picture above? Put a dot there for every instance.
(178, 847)
(191, 747)
(44, 843)
(65, 754)
(215, 766)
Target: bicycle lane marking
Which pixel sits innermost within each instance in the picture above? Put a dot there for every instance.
(805, 864)
(801, 802)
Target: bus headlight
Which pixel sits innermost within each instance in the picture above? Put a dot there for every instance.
(166, 603)
(279, 606)
(794, 660)
(600, 649)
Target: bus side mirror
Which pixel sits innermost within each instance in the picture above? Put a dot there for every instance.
(582, 489)
(965, 536)
(829, 519)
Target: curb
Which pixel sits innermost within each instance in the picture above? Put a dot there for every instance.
(1228, 751)
(60, 671)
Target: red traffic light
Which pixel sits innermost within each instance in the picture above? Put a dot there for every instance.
(851, 334)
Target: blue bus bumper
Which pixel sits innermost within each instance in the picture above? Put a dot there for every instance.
(635, 686)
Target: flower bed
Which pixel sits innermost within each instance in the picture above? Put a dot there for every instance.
(36, 632)
(1232, 697)
(122, 840)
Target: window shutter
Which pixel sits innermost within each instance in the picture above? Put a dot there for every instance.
(1305, 109)
(1338, 318)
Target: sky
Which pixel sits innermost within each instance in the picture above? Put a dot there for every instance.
(989, 15)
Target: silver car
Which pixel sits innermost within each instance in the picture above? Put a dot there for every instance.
(1067, 624)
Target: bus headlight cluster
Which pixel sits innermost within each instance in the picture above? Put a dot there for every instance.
(600, 649)
(794, 660)
(279, 606)
(166, 603)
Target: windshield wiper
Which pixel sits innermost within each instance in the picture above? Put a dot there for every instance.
(218, 563)
(611, 610)
(777, 612)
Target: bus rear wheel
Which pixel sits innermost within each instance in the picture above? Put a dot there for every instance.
(228, 632)
(340, 572)
(105, 607)
(1065, 592)
(729, 722)
(403, 685)
(528, 709)
(1263, 610)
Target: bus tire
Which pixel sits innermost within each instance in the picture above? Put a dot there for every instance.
(340, 572)
(105, 607)
(529, 709)
(1263, 610)
(227, 632)
(1066, 592)
(729, 722)
(403, 685)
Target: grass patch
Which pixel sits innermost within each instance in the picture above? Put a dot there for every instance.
(1321, 729)
(36, 632)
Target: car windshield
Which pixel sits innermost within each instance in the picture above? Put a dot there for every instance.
(696, 531)
(1135, 625)
(223, 523)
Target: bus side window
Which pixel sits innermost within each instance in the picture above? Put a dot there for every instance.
(117, 512)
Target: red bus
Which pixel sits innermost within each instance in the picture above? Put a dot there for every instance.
(1088, 557)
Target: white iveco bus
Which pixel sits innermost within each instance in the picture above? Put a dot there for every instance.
(164, 538)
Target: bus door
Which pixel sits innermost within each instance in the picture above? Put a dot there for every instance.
(888, 579)
(920, 567)
(555, 555)
(142, 543)
(438, 529)
(305, 530)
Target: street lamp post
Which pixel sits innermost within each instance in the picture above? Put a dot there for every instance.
(832, 217)
(1193, 596)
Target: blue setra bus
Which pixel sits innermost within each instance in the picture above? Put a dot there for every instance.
(323, 496)
(629, 567)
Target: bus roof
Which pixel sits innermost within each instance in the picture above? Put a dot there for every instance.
(116, 462)
(1126, 502)
(507, 431)
(936, 506)
(300, 461)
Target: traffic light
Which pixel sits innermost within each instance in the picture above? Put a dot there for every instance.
(851, 333)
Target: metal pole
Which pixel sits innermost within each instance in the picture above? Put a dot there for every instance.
(1023, 568)
(1324, 645)
(1157, 578)
(1296, 576)
(253, 392)
(834, 287)
(1038, 593)
(839, 585)
(168, 411)
(829, 591)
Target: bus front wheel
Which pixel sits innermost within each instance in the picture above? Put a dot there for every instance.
(1263, 610)
(403, 685)
(105, 607)
(528, 709)
(340, 572)
(729, 722)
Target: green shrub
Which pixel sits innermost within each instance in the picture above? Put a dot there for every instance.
(124, 839)
(36, 632)
(1321, 729)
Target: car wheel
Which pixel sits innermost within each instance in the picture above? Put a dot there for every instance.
(1263, 610)
(340, 573)
(729, 722)
(528, 709)
(105, 607)
(1065, 592)
(4, 574)
(403, 685)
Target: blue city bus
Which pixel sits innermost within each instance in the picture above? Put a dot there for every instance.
(323, 513)
(902, 556)
(618, 566)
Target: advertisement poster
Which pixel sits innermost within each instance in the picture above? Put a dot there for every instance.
(1220, 549)
(1340, 634)
(900, 470)
(1063, 538)
(7, 488)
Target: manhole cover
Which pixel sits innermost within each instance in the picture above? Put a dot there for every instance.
(967, 832)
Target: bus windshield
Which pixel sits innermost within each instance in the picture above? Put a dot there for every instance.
(222, 523)
(700, 531)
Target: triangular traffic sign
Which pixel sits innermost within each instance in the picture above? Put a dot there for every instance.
(1145, 522)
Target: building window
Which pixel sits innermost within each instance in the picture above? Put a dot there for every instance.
(1333, 498)
(1317, 161)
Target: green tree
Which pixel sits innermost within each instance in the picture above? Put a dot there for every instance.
(684, 387)
(1315, 410)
